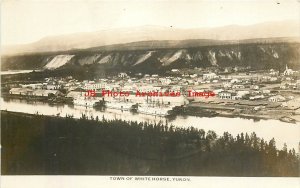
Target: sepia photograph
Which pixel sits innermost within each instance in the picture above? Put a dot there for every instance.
(153, 91)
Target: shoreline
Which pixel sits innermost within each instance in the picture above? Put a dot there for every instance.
(193, 109)
(227, 111)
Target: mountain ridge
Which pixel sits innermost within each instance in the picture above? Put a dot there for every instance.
(88, 40)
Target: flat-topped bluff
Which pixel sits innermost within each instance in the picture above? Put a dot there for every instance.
(152, 59)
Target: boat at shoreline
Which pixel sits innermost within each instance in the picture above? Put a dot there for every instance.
(87, 102)
(127, 106)
(155, 110)
(287, 119)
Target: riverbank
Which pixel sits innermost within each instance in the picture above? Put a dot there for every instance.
(200, 109)
(247, 111)
(50, 100)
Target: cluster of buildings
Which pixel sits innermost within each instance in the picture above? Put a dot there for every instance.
(267, 86)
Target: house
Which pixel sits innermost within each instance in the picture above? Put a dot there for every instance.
(20, 91)
(217, 91)
(266, 91)
(235, 80)
(46, 93)
(225, 95)
(122, 75)
(227, 85)
(242, 93)
(274, 73)
(209, 76)
(277, 98)
(273, 79)
(283, 86)
(94, 86)
(190, 82)
(236, 97)
(33, 86)
(75, 94)
(256, 87)
(165, 81)
(238, 87)
(287, 71)
(256, 97)
(52, 87)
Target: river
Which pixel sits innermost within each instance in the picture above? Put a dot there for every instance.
(282, 132)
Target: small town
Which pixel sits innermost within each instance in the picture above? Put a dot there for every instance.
(153, 93)
(267, 94)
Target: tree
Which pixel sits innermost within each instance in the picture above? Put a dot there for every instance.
(211, 135)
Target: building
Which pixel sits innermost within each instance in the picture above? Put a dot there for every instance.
(238, 86)
(165, 81)
(288, 71)
(217, 91)
(236, 97)
(274, 73)
(20, 91)
(266, 91)
(33, 86)
(256, 97)
(94, 86)
(256, 87)
(122, 75)
(75, 94)
(209, 76)
(52, 87)
(235, 80)
(225, 95)
(277, 98)
(243, 93)
(46, 93)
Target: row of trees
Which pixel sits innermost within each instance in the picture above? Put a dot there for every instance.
(36, 144)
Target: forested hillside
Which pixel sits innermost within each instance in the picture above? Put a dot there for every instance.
(37, 144)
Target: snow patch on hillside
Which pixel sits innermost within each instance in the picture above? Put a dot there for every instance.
(262, 49)
(239, 56)
(222, 54)
(58, 61)
(275, 54)
(105, 59)
(167, 61)
(212, 57)
(144, 58)
(89, 59)
(228, 55)
(198, 56)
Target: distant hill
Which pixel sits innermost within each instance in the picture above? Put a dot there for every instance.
(154, 37)
(146, 58)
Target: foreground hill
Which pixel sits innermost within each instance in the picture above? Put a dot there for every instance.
(44, 145)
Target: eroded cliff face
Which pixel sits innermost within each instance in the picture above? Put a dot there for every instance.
(258, 56)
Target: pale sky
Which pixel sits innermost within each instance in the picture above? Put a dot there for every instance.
(25, 21)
